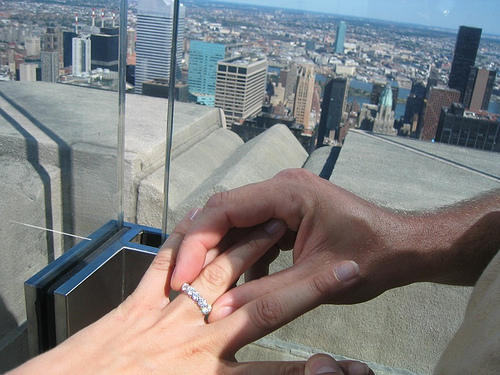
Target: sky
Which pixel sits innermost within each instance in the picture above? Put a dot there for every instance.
(449, 14)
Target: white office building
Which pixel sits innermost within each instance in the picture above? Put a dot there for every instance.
(82, 56)
(240, 87)
(154, 40)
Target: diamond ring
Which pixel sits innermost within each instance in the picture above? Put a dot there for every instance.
(195, 296)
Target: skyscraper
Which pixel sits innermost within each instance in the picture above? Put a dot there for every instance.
(68, 48)
(376, 94)
(479, 88)
(340, 38)
(32, 45)
(27, 72)
(384, 121)
(332, 109)
(439, 97)
(202, 72)
(464, 58)
(81, 56)
(288, 79)
(414, 106)
(50, 65)
(304, 94)
(50, 54)
(240, 87)
(154, 40)
(105, 49)
(479, 130)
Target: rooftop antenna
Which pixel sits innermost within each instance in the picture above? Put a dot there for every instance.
(102, 18)
(93, 17)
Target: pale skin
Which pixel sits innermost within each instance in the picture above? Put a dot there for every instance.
(327, 224)
(149, 334)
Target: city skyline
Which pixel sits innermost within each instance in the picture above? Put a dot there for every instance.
(446, 14)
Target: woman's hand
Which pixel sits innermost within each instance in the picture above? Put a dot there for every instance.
(149, 334)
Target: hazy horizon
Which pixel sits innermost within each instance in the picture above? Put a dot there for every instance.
(447, 14)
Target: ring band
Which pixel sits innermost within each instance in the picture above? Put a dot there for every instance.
(195, 296)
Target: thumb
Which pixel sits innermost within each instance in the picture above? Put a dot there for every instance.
(269, 368)
(322, 364)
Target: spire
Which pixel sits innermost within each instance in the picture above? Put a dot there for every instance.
(386, 96)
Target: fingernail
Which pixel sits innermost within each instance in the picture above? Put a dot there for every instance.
(224, 311)
(325, 370)
(173, 275)
(273, 226)
(323, 365)
(358, 368)
(346, 271)
(194, 213)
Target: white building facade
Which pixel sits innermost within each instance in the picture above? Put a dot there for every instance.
(154, 40)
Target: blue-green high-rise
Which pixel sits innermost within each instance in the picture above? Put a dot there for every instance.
(202, 72)
(340, 39)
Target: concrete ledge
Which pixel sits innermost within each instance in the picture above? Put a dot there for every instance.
(271, 349)
(219, 163)
(259, 159)
(189, 170)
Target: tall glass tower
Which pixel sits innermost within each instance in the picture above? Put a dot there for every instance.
(332, 109)
(464, 58)
(202, 72)
(340, 39)
(154, 40)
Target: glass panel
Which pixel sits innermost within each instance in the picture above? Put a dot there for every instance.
(59, 117)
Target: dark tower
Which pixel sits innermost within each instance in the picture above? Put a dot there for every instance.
(464, 58)
(332, 108)
(67, 47)
(414, 105)
(105, 49)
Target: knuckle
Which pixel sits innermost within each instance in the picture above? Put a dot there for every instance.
(255, 246)
(291, 368)
(268, 313)
(320, 285)
(294, 174)
(163, 260)
(215, 275)
(218, 199)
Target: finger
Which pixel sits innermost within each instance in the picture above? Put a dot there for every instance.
(322, 364)
(346, 272)
(154, 288)
(277, 308)
(244, 207)
(233, 236)
(355, 368)
(261, 267)
(267, 368)
(219, 275)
